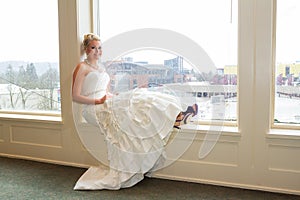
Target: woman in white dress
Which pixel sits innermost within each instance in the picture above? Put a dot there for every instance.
(136, 124)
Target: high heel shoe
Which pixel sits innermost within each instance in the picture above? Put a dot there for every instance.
(187, 118)
(193, 109)
(184, 117)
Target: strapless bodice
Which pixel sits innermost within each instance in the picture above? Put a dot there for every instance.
(95, 84)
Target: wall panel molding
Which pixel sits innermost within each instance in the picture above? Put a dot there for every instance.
(284, 158)
(36, 136)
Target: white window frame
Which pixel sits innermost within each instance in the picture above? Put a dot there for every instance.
(278, 128)
(43, 116)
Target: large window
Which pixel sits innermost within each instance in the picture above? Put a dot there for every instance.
(210, 24)
(287, 65)
(29, 70)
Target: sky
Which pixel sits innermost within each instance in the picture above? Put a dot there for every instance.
(118, 16)
(192, 18)
(288, 31)
(17, 41)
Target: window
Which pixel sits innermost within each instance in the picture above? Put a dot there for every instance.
(287, 63)
(29, 69)
(213, 28)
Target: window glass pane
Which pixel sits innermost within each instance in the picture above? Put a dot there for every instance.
(29, 69)
(210, 24)
(287, 80)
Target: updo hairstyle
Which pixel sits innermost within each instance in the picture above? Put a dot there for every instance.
(88, 38)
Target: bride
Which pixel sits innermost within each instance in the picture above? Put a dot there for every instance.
(136, 124)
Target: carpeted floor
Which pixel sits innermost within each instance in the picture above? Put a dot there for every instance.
(23, 179)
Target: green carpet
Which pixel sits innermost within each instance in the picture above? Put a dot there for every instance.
(23, 179)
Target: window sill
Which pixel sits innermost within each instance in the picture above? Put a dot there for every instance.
(284, 134)
(32, 118)
(226, 130)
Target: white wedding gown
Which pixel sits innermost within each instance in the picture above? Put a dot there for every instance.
(136, 125)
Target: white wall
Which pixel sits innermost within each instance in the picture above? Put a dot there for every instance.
(247, 157)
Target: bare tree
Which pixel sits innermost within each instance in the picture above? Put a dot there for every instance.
(49, 80)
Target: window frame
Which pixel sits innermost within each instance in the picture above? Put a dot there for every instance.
(37, 115)
(278, 126)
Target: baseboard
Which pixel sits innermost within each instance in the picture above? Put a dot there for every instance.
(228, 184)
(57, 162)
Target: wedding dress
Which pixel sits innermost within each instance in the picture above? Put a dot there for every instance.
(136, 124)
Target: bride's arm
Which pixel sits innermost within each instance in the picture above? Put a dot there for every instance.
(78, 77)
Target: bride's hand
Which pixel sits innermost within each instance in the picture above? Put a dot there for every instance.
(109, 95)
(101, 100)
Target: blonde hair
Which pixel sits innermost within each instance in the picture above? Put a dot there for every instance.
(87, 38)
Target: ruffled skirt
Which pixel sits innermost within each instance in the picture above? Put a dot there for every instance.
(136, 125)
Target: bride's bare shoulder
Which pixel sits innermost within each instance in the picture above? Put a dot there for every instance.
(83, 67)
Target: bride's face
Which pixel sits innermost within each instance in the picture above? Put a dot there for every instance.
(94, 50)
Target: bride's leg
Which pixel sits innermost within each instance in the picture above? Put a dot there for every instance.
(179, 118)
